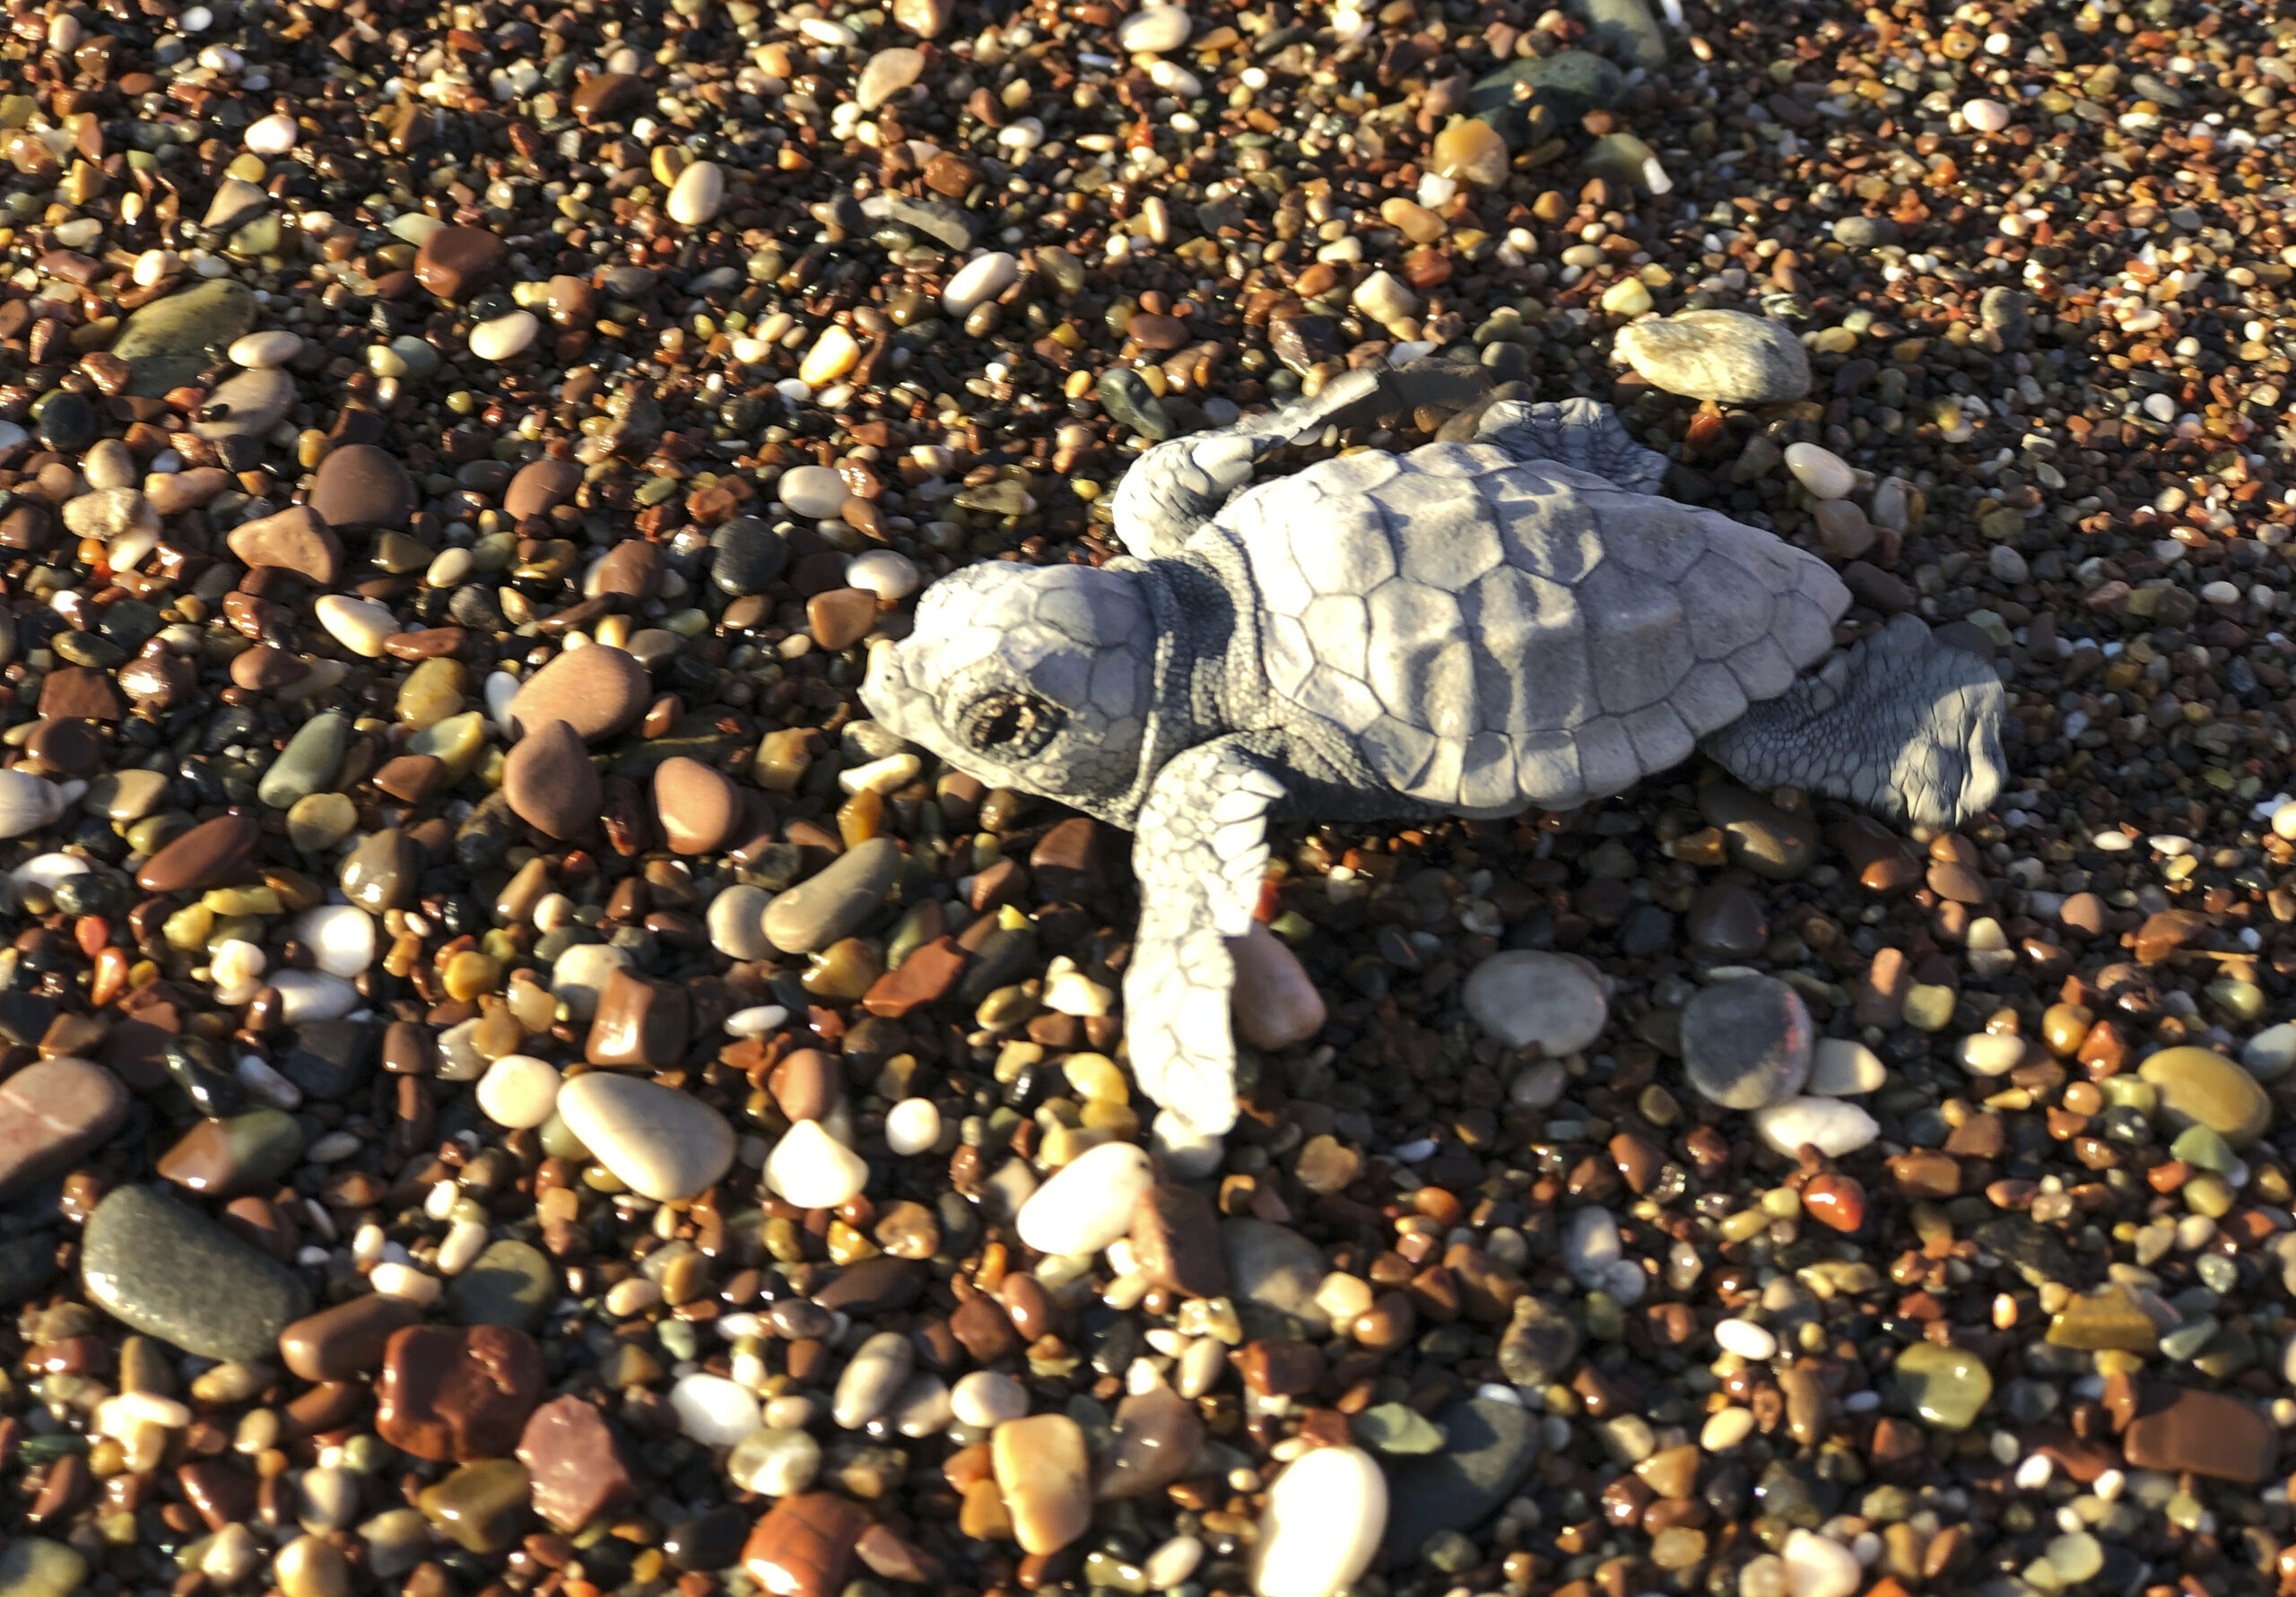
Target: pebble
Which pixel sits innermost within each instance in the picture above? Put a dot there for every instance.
(1154, 29)
(987, 1399)
(1825, 474)
(1820, 1566)
(736, 922)
(341, 938)
(1725, 356)
(1489, 1450)
(53, 1111)
(1524, 998)
(804, 1545)
(697, 195)
(713, 1410)
(699, 808)
(813, 491)
(1946, 1387)
(27, 802)
(980, 280)
(359, 485)
(1325, 1518)
(1747, 1043)
(875, 1373)
(886, 73)
(246, 404)
(1470, 151)
(2199, 1086)
(169, 1270)
(550, 783)
(1276, 1269)
(599, 692)
(1843, 1068)
(1088, 1204)
(1274, 1000)
(811, 1170)
(1834, 1126)
(663, 1144)
(519, 1090)
(504, 336)
(575, 1467)
(451, 1394)
(836, 902)
(1040, 1467)
(347, 1341)
(35, 1566)
(358, 625)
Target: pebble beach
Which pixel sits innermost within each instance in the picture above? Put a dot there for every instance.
(511, 1083)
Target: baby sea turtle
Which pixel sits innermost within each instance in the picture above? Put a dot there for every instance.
(1473, 629)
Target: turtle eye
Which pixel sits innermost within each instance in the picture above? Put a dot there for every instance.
(1011, 725)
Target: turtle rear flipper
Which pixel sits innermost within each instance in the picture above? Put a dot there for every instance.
(1903, 723)
(1580, 433)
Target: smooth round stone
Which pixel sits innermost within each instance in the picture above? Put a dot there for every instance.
(116, 795)
(1747, 1043)
(1524, 997)
(747, 555)
(1820, 1566)
(580, 974)
(1843, 1067)
(274, 135)
(1324, 1519)
(518, 1091)
(27, 802)
(341, 938)
(35, 1566)
(1747, 1339)
(225, 1158)
(509, 1284)
(698, 806)
(308, 762)
(165, 1269)
(736, 922)
(713, 1410)
(2199, 1086)
(2268, 1056)
(312, 995)
(834, 353)
(358, 625)
(1833, 1125)
(886, 73)
(1723, 355)
(662, 1143)
(539, 487)
(1945, 1386)
(1275, 1268)
(1985, 115)
(359, 485)
(1826, 475)
(813, 1169)
(599, 692)
(912, 1126)
(1274, 1000)
(978, 281)
(774, 1461)
(1088, 1202)
(887, 573)
(504, 336)
(1991, 1054)
(259, 351)
(551, 784)
(836, 902)
(247, 404)
(52, 1111)
(697, 194)
(870, 1378)
(987, 1399)
(1154, 29)
(813, 491)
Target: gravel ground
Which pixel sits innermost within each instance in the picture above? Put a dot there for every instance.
(512, 1084)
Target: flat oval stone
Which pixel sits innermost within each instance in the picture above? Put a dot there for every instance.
(308, 762)
(1088, 1203)
(510, 1284)
(455, 263)
(345, 1342)
(1156, 1435)
(1524, 996)
(51, 1112)
(2201, 1086)
(360, 485)
(1725, 356)
(247, 404)
(212, 854)
(1833, 1125)
(813, 491)
(599, 692)
(698, 807)
(166, 343)
(837, 901)
(662, 1143)
(551, 784)
(539, 487)
(578, 1471)
(228, 1159)
(737, 925)
(1324, 1519)
(161, 1267)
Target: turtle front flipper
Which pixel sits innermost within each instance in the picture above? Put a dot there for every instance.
(1178, 485)
(1200, 849)
(1574, 432)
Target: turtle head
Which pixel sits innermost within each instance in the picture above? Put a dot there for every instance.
(1038, 678)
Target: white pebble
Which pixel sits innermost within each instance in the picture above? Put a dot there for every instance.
(757, 1020)
(261, 351)
(713, 1410)
(1745, 1339)
(1991, 1054)
(986, 1398)
(696, 195)
(1324, 1519)
(1524, 996)
(341, 938)
(912, 1126)
(274, 135)
(813, 491)
(1833, 1125)
(978, 279)
(813, 1169)
(504, 336)
(1820, 1566)
(358, 625)
(1153, 28)
(403, 1280)
(1985, 115)
(887, 573)
(518, 1091)
(236, 967)
(1826, 475)
(1088, 1204)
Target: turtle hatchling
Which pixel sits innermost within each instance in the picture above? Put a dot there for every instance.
(1475, 627)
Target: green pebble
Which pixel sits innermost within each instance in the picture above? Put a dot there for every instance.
(1945, 1386)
